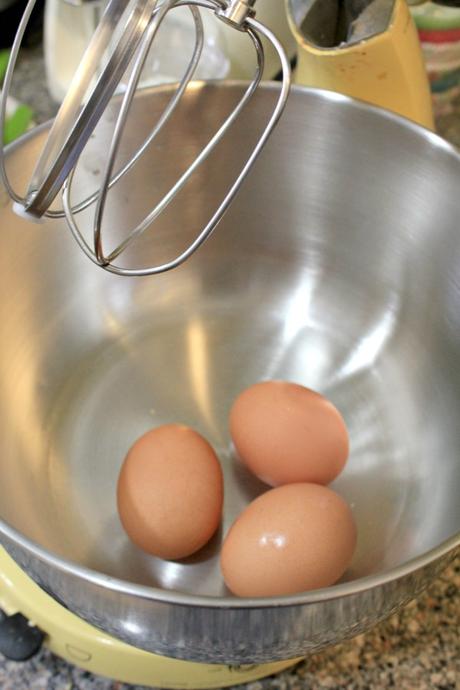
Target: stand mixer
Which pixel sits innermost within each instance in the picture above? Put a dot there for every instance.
(68, 635)
(369, 36)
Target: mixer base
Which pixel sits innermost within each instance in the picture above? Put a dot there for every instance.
(83, 645)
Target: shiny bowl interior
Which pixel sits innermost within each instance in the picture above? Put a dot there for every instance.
(338, 267)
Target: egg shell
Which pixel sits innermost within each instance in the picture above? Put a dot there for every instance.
(291, 539)
(170, 492)
(287, 433)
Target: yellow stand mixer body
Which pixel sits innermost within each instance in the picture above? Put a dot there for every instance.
(385, 69)
(73, 639)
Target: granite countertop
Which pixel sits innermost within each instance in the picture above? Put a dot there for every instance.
(418, 648)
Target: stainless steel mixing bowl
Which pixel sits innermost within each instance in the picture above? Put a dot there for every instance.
(337, 267)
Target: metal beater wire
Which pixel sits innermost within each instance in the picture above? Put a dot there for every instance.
(82, 205)
(5, 91)
(204, 234)
(112, 13)
(89, 93)
(96, 253)
(70, 210)
(144, 49)
(135, 42)
(162, 205)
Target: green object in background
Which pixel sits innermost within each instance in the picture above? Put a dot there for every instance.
(431, 17)
(4, 55)
(21, 116)
(17, 123)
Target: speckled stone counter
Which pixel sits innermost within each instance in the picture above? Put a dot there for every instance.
(416, 649)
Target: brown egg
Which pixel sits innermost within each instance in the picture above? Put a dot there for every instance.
(170, 492)
(287, 433)
(291, 539)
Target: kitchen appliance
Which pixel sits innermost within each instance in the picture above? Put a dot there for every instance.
(350, 288)
(33, 618)
(368, 49)
(122, 43)
(124, 39)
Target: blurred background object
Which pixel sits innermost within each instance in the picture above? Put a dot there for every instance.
(18, 115)
(367, 49)
(439, 31)
(10, 15)
(69, 25)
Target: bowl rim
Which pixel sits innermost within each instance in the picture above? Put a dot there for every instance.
(174, 597)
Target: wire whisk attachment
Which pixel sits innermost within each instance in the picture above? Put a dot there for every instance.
(122, 40)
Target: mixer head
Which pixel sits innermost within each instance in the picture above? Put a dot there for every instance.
(121, 43)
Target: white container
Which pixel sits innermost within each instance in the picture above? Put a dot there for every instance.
(227, 53)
